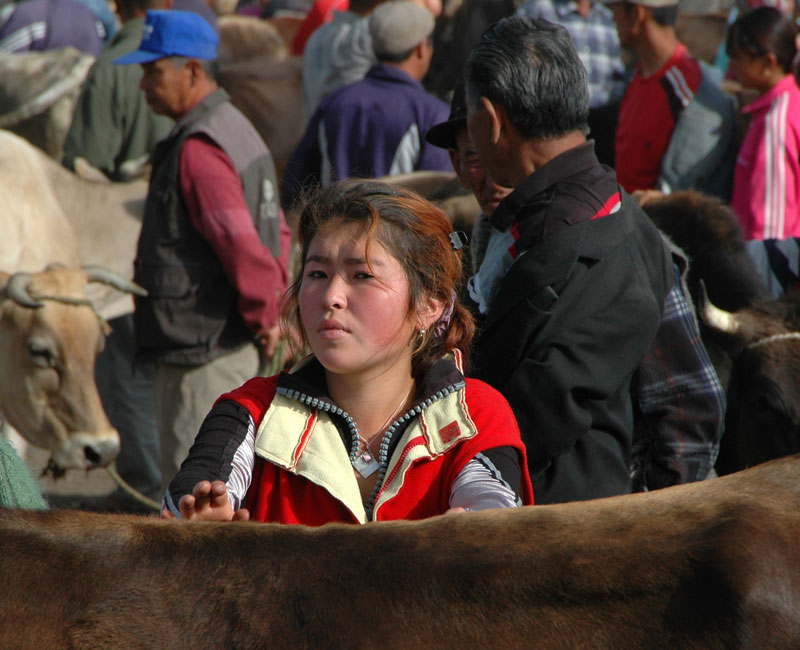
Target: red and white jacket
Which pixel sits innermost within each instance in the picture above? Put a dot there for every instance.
(294, 442)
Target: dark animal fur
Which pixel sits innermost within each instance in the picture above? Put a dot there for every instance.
(708, 565)
(708, 232)
(763, 383)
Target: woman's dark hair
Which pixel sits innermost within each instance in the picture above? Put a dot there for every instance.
(763, 31)
(417, 234)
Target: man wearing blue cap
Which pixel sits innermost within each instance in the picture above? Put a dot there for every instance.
(214, 244)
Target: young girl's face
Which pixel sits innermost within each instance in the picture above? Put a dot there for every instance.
(356, 317)
(748, 69)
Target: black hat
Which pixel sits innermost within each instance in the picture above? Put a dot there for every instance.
(444, 134)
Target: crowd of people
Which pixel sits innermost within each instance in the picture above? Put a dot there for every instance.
(550, 355)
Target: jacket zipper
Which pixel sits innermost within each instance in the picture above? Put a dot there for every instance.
(383, 454)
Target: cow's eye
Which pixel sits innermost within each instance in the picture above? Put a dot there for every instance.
(41, 353)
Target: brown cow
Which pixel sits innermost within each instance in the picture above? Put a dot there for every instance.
(709, 565)
(763, 416)
(50, 336)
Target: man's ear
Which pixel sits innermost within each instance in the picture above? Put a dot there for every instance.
(498, 119)
(640, 16)
(195, 70)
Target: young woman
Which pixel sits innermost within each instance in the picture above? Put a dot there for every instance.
(766, 184)
(379, 422)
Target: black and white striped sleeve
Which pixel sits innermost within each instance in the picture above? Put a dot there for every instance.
(491, 479)
(224, 450)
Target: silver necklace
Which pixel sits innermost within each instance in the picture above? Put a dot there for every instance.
(366, 463)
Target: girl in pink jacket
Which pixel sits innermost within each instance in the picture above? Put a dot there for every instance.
(766, 186)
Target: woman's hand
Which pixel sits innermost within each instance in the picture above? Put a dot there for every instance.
(208, 502)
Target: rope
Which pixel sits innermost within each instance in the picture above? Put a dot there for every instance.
(131, 491)
(771, 339)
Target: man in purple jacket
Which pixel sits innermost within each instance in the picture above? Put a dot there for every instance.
(376, 126)
(49, 25)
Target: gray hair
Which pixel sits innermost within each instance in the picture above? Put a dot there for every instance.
(531, 68)
(210, 66)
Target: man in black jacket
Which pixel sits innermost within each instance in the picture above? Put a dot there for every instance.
(571, 287)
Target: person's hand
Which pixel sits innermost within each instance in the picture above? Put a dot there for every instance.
(643, 197)
(209, 502)
(267, 340)
(455, 511)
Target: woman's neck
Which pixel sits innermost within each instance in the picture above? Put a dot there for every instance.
(775, 77)
(375, 402)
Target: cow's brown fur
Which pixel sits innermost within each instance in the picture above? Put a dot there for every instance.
(245, 38)
(269, 92)
(706, 565)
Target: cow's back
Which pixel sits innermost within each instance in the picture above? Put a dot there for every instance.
(705, 565)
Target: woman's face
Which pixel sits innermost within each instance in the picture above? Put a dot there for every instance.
(748, 70)
(356, 320)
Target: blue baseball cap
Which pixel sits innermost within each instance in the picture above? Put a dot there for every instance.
(174, 33)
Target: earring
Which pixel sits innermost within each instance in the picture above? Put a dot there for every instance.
(423, 331)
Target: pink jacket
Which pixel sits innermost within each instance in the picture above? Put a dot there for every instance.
(766, 183)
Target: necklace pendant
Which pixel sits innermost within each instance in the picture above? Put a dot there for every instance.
(366, 465)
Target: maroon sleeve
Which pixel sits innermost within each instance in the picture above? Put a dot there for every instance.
(213, 194)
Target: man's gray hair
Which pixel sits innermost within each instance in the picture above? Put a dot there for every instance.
(210, 66)
(531, 68)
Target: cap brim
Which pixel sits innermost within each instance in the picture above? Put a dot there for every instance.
(444, 134)
(139, 56)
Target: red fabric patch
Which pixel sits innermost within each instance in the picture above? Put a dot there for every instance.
(609, 206)
(450, 432)
(515, 234)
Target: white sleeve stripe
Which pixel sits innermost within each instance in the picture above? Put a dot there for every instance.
(775, 169)
(242, 467)
(476, 488)
(406, 156)
(23, 38)
(496, 473)
(679, 85)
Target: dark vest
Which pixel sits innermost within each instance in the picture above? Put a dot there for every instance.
(190, 315)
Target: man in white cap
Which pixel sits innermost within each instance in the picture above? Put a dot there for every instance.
(213, 249)
(676, 126)
(376, 126)
(337, 53)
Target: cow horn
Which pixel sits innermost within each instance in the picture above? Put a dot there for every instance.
(716, 318)
(113, 279)
(17, 290)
